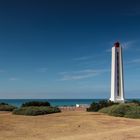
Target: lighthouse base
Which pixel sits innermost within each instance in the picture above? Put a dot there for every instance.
(117, 100)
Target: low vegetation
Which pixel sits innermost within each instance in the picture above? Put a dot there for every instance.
(99, 105)
(129, 110)
(116, 110)
(35, 108)
(6, 107)
(35, 103)
(134, 112)
(135, 102)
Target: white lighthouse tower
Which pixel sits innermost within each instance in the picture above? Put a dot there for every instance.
(117, 80)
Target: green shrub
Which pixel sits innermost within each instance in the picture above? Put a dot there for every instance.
(3, 103)
(134, 112)
(35, 103)
(34, 111)
(135, 101)
(118, 110)
(129, 110)
(101, 104)
(93, 107)
(6, 107)
(105, 110)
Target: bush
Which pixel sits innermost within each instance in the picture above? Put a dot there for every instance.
(136, 102)
(134, 112)
(6, 107)
(3, 104)
(34, 111)
(35, 103)
(101, 104)
(116, 110)
(123, 110)
(105, 110)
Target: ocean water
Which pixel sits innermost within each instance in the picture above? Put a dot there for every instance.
(54, 102)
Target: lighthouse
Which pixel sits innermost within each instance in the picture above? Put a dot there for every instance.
(117, 77)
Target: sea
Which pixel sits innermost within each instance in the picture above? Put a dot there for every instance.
(54, 102)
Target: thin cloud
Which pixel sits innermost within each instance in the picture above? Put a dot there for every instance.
(89, 61)
(129, 44)
(82, 74)
(125, 45)
(77, 77)
(62, 73)
(13, 79)
(82, 58)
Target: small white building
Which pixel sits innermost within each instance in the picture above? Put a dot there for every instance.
(117, 79)
(77, 105)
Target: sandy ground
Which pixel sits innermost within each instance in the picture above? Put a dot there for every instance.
(69, 125)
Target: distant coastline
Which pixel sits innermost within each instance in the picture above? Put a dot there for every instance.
(56, 102)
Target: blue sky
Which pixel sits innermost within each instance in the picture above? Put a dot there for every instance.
(61, 49)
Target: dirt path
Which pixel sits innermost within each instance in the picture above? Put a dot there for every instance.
(69, 125)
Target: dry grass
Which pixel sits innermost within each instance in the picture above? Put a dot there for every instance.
(69, 125)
